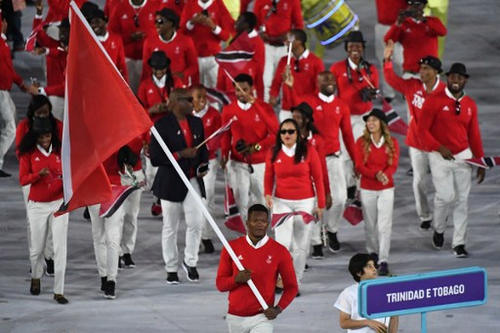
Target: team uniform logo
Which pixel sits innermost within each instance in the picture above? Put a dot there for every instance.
(269, 259)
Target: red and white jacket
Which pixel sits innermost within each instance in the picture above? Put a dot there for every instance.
(388, 11)
(415, 94)
(309, 66)
(256, 123)
(206, 40)
(8, 75)
(122, 21)
(294, 181)
(180, 50)
(114, 47)
(43, 189)
(318, 143)
(418, 38)
(288, 16)
(212, 121)
(350, 82)
(378, 160)
(440, 125)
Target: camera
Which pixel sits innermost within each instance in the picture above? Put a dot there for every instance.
(367, 94)
(240, 145)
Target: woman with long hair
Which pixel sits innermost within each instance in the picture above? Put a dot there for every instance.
(293, 183)
(378, 155)
(40, 166)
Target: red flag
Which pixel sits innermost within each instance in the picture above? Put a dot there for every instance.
(278, 219)
(353, 213)
(396, 124)
(118, 196)
(237, 55)
(484, 162)
(231, 212)
(101, 115)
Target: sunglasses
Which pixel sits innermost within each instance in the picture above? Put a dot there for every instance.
(159, 21)
(289, 131)
(187, 99)
(458, 107)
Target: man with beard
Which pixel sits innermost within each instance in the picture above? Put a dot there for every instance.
(449, 129)
(330, 115)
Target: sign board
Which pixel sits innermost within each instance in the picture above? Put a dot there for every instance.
(424, 292)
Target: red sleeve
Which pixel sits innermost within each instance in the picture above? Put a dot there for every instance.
(390, 170)
(297, 21)
(214, 144)
(146, 53)
(345, 126)
(191, 59)
(185, 16)
(121, 60)
(25, 174)
(55, 90)
(269, 174)
(322, 157)
(36, 22)
(360, 164)
(290, 286)
(394, 33)
(271, 122)
(374, 76)
(277, 79)
(225, 274)
(317, 175)
(258, 81)
(425, 122)
(257, 10)
(475, 141)
(395, 81)
(141, 94)
(436, 28)
(227, 23)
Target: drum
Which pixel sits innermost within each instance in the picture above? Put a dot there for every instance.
(329, 19)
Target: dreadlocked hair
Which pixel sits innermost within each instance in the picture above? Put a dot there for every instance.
(301, 144)
(388, 143)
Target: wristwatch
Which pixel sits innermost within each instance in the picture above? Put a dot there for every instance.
(257, 147)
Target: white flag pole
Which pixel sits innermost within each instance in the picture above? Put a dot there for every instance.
(207, 215)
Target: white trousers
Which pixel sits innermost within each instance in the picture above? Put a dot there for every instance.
(248, 187)
(57, 107)
(208, 68)
(172, 213)
(150, 172)
(41, 220)
(7, 123)
(294, 234)
(209, 180)
(420, 165)
(273, 56)
(48, 251)
(106, 233)
(253, 324)
(397, 56)
(377, 213)
(131, 207)
(452, 181)
(134, 69)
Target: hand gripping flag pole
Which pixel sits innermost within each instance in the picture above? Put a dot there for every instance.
(207, 215)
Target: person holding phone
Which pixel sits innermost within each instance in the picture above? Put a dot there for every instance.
(293, 183)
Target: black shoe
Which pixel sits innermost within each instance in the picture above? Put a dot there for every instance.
(298, 294)
(438, 240)
(317, 252)
(49, 271)
(208, 245)
(127, 261)
(172, 278)
(86, 214)
(4, 174)
(374, 257)
(109, 290)
(383, 269)
(425, 225)
(120, 262)
(192, 272)
(104, 280)
(460, 251)
(333, 243)
(60, 299)
(278, 290)
(351, 192)
(410, 172)
(307, 268)
(35, 287)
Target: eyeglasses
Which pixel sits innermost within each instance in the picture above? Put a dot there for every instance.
(289, 131)
(458, 107)
(187, 99)
(159, 21)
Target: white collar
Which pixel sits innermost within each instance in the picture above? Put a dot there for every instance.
(310, 135)
(171, 39)
(160, 83)
(326, 99)
(3, 36)
(137, 7)
(244, 106)
(380, 143)
(259, 244)
(290, 152)
(43, 151)
(352, 64)
(252, 34)
(206, 4)
(450, 95)
(104, 38)
(304, 54)
(202, 112)
(434, 87)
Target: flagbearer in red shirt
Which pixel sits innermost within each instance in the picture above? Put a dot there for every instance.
(208, 23)
(416, 91)
(378, 155)
(211, 119)
(293, 182)
(450, 131)
(275, 19)
(40, 166)
(263, 259)
(305, 67)
(247, 142)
